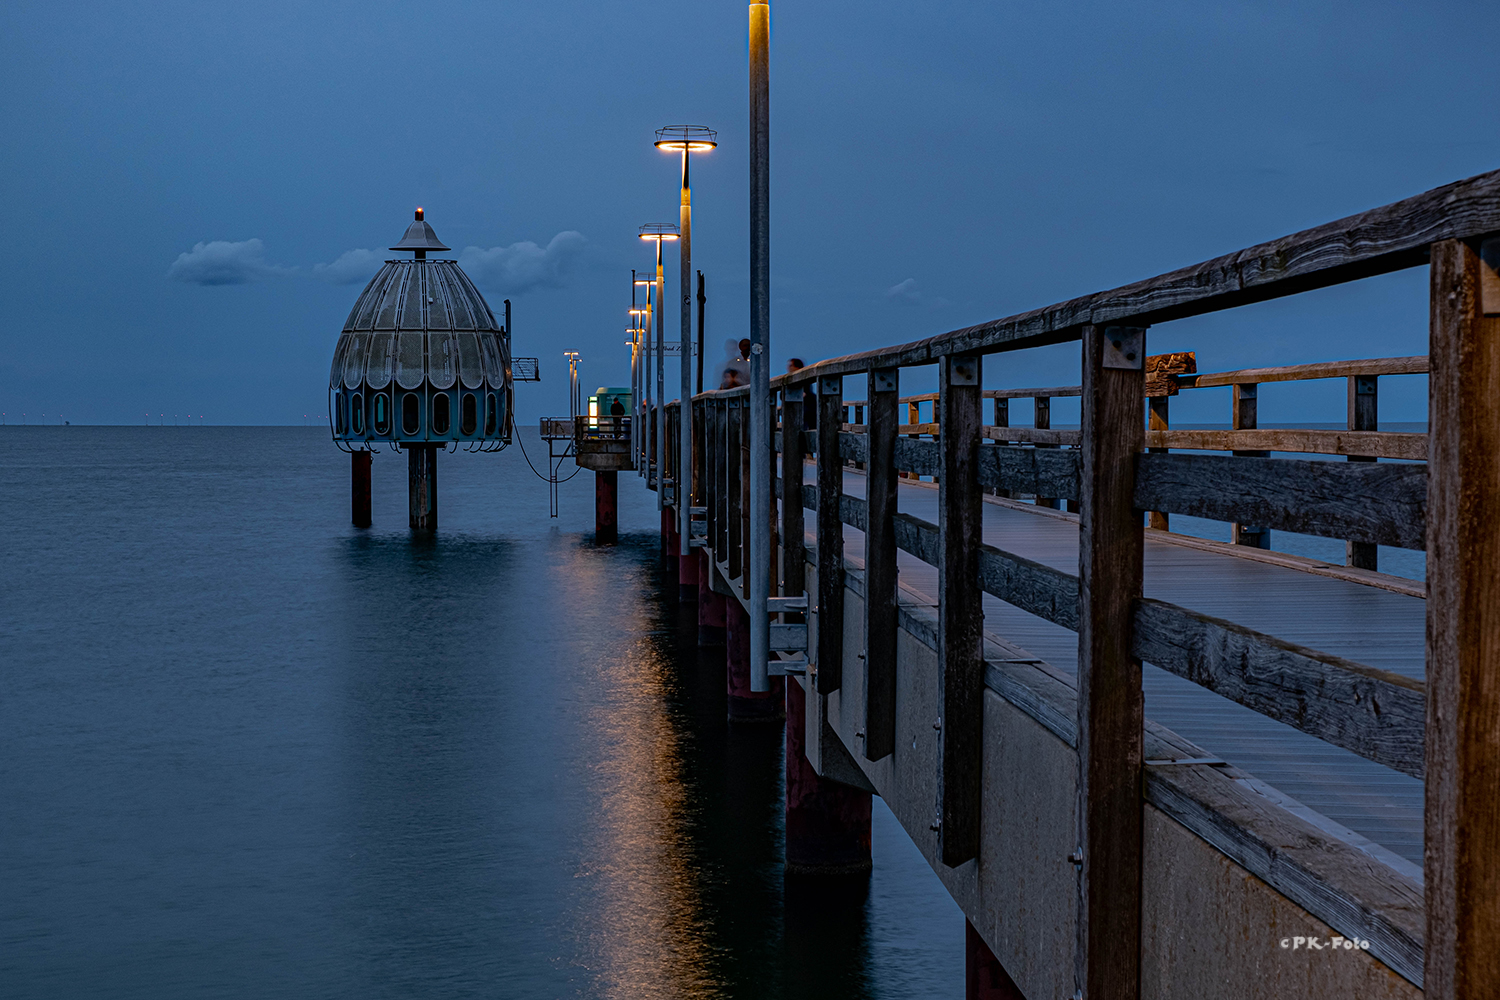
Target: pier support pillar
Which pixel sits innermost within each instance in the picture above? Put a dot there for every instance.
(710, 605)
(359, 492)
(984, 977)
(746, 705)
(606, 508)
(421, 469)
(669, 541)
(827, 824)
(688, 568)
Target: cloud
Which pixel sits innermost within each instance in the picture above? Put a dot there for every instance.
(522, 267)
(352, 267)
(907, 291)
(223, 263)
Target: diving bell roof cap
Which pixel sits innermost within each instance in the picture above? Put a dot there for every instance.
(420, 236)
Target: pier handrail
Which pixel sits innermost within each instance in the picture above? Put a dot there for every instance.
(1119, 470)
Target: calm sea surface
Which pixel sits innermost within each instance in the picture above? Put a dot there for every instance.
(249, 751)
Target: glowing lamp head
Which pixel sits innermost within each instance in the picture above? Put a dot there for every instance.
(659, 231)
(689, 138)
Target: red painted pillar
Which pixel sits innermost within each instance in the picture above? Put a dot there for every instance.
(710, 605)
(827, 824)
(669, 541)
(360, 491)
(746, 705)
(606, 508)
(687, 576)
(984, 977)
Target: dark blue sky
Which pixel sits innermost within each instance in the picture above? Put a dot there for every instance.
(933, 166)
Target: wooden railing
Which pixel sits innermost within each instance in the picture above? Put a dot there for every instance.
(1444, 498)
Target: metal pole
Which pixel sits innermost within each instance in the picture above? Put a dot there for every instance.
(635, 378)
(646, 428)
(702, 299)
(685, 355)
(661, 382)
(760, 342)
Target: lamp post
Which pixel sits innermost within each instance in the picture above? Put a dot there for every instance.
(760, 345)
(643, 407)
(659, 233)
(686, 139)
(636, 328)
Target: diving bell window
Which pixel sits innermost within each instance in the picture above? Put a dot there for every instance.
(339, 423)
(357, 413)
(468, 416)
(411, 414)
(382, 414)
(442, 417)
(490, 414)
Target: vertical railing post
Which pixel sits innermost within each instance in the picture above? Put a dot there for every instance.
(1042, 420)
(1364, 415)
(1245, 417)
(913, 417)
(960, 418)
(880, 565)
(747, 526)
(830, 536)
(793, 523)
(1462, 862)
(1002, 419)
(1159, 407)
(732, 462)
(1110, 704)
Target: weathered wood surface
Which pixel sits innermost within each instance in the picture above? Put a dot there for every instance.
(793, 522)
(960, 611)
(1164, 371)
(880, 567)
(1038, 471)
(1379, 503)
(1049, 392)
(1111, 705)
(1364, 415)
(1033, 435)
(1381, 444)
(1463, 635)
(830, 653)
(1158, 419)
(1381, 240)
(1374, 713)
(1323, 369)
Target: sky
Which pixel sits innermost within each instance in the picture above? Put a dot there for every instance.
(199, 191)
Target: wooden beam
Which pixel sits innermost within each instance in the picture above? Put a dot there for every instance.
(1463, 634)
(880, 566)
(1374, 713)
(830, 661)
(1164, 373)
(1244, 416)
(1110, 703)
(1158, 420)
(1416, 365)
(1364, 415)
(1379, 503)
(1254, 442)
(1041, 420)
(960, 612)
(793, 523)
(1033, 435)
(745, 526)
(732, 462)
(1001, 419)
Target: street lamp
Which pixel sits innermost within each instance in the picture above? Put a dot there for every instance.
(643, 370)
(659, 233)
(686, 139)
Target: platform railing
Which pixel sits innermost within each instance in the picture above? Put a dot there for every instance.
(1444, 498)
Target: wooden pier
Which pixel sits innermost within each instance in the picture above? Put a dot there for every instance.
(1146, 764)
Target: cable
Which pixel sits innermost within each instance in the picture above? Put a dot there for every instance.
(546, 479)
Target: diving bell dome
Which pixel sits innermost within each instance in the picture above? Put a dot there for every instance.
(421, 358)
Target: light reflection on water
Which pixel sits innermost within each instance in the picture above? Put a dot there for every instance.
(248, 751)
